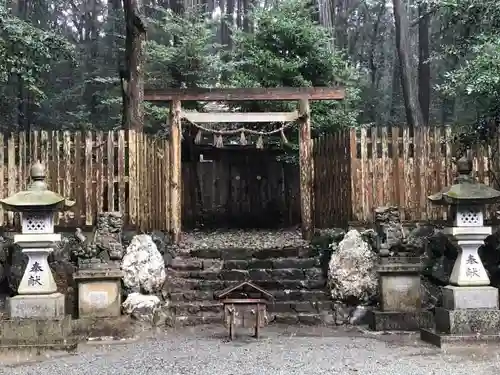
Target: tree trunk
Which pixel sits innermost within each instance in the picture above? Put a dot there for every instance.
(408, 84)
(424, 68)
(133, 76)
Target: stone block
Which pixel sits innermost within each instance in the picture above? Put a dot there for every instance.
(399, 321)
(471, 297)
(235, 265)
(467, 321)
(40, 333)
(99, 293)
(288, 274)
(43, 306)
(400, 292)
(442, 340)
(260, 264)
(122, 327)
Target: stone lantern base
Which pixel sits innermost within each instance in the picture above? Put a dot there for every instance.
(37, 322)
(36, 306)
(400, 297)
(469, 314)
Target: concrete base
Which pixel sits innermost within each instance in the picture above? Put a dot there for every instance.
(37, 334)
(399, 321)
(117, 328)
(471, 297)
(442, 339)
(42, 306)
(99, 293)
(467, 321)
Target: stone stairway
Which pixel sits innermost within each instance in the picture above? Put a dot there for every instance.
(294, 277)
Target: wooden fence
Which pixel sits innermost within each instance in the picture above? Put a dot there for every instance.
(401, 166)
(332, 182)
(103, 171)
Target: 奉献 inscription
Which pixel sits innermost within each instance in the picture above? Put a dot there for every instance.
(472, 272)
(36, 267)
(34, 280)
(471, 260)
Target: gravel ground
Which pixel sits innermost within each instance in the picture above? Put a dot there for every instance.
(291, 351)
(251, 239)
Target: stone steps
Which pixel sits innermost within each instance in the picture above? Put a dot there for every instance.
(279, 295)
(264, 274)
(325, 318)
(199, 264)
(181, 284)
(293, 276)
(307, 307)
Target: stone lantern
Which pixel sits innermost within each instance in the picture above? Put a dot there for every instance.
(37, 206)
(470, 308)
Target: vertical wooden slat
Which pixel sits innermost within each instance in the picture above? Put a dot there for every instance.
(149, 179)
(34, 147)
(12, 173)
(449, 164)
(159, 183)
(408, 174)
(438, 183)
(167, 185)
(56, 180)
(89, 186)
(132, 178)
(388, 184)
(2, 177)
(44, 153)
(23, 167)
(397, 172)
(99, 172)
(110, 174)
(377, 176)
(121, 172)
(355, 180)
(141, 212)
(367, 188)
(67, 167)
(80, 183)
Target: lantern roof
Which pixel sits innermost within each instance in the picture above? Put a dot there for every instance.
(465, 190)
(37, 196)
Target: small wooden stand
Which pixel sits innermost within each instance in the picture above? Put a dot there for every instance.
(244, 312)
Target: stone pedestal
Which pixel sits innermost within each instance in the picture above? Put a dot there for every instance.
(400, 299)
(47, 306)
(469, 314)
(99, 292)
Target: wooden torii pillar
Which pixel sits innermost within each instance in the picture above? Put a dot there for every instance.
(303, 95)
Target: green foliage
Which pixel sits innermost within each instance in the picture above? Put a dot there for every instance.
(289, 48)
(475, 47)
(180, 53)
(27, 52)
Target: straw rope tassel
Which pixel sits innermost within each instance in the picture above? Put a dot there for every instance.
(283, 137)
(243, 140)
(197, 139)
(260, 143)
(218, 141)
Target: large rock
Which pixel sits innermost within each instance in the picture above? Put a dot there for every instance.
(143, 266)
(142, 307)
(351, 272)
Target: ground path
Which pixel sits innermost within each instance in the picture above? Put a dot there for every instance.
(282, 351)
